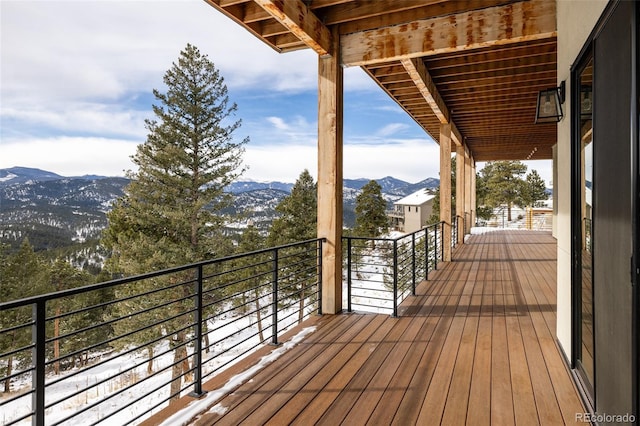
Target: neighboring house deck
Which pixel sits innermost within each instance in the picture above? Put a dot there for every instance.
(475, 346)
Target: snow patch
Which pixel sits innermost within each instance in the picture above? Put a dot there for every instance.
(203, 405)
(8, 177)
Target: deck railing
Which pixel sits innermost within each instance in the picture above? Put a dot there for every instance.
(115, 352)
(381, 272)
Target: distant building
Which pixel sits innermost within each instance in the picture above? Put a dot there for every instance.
(411, 213)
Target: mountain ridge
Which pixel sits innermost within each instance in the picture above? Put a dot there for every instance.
(56, 211)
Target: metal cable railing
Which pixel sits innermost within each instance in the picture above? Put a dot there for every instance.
(382, 272)
(116, 352)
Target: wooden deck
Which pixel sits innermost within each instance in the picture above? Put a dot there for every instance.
(475, 346)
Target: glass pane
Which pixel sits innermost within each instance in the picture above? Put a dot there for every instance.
(586, 354)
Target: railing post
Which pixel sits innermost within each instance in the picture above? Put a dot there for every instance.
(413, 262)
(348, 274)
(395, 278)
(197, 350)
(426, 253)
(442, 241)
(274, 307)
(454, 231)
(39, 356)
(319, 254)
(435, 247)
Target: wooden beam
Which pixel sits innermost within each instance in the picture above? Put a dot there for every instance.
(467, 190)
(445, 188)
(472, 204)
(423, 81)
(330, 125)
(298, 19)
(511, 23)
(461, 186)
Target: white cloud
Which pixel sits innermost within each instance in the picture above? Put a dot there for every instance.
(410, 160)
(92, 118)
(278, 123)
(71, 50)
(70, 156)
(282, 131)
(391, 129)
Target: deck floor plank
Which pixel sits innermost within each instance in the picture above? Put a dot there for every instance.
(475, 346)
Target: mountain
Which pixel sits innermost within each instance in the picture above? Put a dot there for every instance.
(244, 186)
(24, 174)
(56, 211)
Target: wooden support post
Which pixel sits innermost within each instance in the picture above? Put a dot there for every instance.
(467, 190)
(330, 125)
(445, 188)
(473, 191)
(460, 192)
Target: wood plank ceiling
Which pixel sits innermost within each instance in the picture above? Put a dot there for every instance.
(478, 64)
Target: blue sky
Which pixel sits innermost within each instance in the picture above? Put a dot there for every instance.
(76, 80)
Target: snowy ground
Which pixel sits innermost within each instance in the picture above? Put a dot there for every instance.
(123, 381)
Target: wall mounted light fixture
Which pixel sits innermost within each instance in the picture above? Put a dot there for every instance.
(549, 107)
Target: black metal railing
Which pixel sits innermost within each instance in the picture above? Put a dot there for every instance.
(382, 272)
(115, 352)
(588, 234)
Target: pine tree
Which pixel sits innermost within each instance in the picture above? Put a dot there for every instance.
(63, 276)
(371, 217)
(22, 275)
(171, 212)
(503, 180)
(297, 222)
(298, 213)
(533, 189)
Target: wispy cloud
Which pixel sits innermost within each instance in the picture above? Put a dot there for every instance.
(391, 129)
(79, 117)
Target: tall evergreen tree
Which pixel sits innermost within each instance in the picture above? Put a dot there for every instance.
(297, 222)
(533, 189)
(63, 276)
(298, 213)
(170, 214)
(22, 274)
(371, 217)
(503, 180)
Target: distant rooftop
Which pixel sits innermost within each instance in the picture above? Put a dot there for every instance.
(418, 198)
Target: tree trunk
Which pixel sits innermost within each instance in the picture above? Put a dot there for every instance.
(509, 212)
(205, 334)
(177, 368)
(7, 382)
(259, 315)
(56, 341)
(186, 367)
(301, 312)
(150, 363)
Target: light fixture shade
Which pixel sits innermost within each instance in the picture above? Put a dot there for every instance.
(549, 109)
(586, 103)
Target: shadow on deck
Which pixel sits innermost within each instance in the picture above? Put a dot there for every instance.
(476, 345)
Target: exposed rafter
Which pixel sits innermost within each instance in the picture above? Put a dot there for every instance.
(421, 78)
(477, 65)
(511, 23)
(300, 20)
